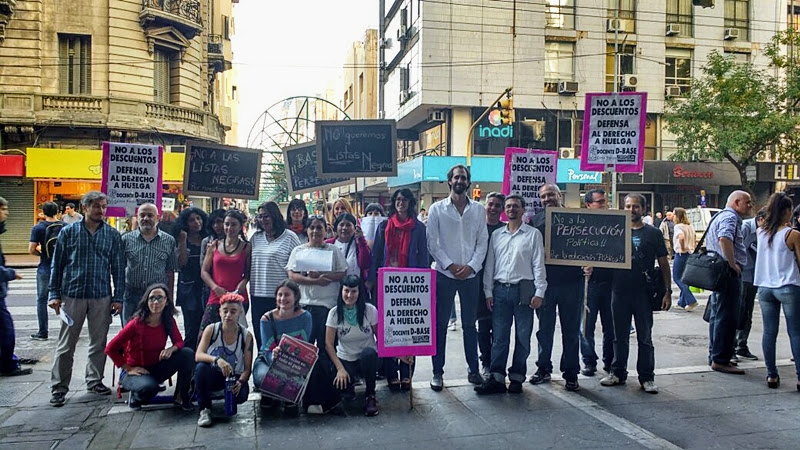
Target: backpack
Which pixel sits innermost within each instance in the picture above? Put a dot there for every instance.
(50, 238)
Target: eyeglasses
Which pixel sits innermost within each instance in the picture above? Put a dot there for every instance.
(316, 216)
(157, 299)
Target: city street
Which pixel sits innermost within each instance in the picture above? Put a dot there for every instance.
(696, 408)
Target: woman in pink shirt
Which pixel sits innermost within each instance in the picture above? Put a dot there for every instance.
(139, 349)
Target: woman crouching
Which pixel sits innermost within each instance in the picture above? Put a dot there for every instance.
(225, 350)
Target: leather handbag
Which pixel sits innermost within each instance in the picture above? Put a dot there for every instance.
(706, 269)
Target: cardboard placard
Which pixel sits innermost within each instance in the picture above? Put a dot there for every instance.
(588, 237)
(526, 170)
(132, 175)
(356, 148)
(406, 312)
(301, 170)
(614, 131)
(222, 171)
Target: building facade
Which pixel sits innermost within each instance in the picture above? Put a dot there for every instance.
(75, 74)
(444, 63)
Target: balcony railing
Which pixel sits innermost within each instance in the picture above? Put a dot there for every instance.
(71, 103)
(175, 113)
(215, 44)
(187, 9)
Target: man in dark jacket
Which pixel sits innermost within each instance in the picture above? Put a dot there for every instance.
(9, 365)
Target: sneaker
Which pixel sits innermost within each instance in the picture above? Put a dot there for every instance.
(452, 326)
(691, 307)
(39, 337)
(486, 372)
(437, 383)
(589, 371)
(572, 385)
(134, 405)
(515, 387)
(16, 372)
(735, 360)
(315, 409)
(611, 380)
(539, 378)
(745, 354)
(650, 387)
(100, 389)
(371, 406)
(58, 399)
(490, 386)
(475, 378)
(205, 418)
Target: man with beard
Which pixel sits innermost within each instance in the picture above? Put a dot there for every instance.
(457, 241)
(629, 299)
(565, 293)
(88, 255)
(150, 258)
(514, 265)
(494, 206)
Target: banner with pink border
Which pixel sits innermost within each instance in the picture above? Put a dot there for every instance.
(602, 109)
(525, 171)
(406, 312)
(132, 175)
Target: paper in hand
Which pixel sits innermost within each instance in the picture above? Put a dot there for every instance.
(369, 225)
(65, 317)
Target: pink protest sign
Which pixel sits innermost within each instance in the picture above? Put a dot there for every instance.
(526, 170)
(613, 131)
(406, 312)
(132, 175)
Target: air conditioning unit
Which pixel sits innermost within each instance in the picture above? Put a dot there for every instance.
(404, 96)
(622, 25)
(731, 34)
(386, 42)
(436, 116)
(630, 80)
(673, 29)
(568, 87)
(401, 33)
(673, 91)
(566, 153)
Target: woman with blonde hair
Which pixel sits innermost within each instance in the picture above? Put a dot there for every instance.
(683, 242)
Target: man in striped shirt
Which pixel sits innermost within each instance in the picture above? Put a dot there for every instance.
(88, 254)
(150, 258)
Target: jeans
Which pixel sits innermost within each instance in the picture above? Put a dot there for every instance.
(130, 301)
(745, 316)
(446, 289)
(259, 306)
(723, 321)
(624, 305)
(208, 379)
(568, 298)
(599, 302)
(42, 291)
(771, 300)
(7, 340)
(505, 310)
(366, 366)
(484, 318)
(686, 297)
(144, 387)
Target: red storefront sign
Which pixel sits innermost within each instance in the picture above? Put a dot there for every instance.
(679, 172)
(12, 166)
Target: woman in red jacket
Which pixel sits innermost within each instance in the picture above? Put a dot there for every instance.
(139, 349)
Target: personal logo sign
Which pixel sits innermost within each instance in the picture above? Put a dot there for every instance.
(613, 131)
(356, 148)
(301, 170)
(406, 312)
(588, 237)
(221, 171)
(526, 171)
(131, 176)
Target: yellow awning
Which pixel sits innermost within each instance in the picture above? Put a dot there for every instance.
(75, 164)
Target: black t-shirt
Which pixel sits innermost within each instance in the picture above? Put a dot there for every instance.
(556, 274)
(647, 244)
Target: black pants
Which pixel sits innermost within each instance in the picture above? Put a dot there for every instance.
(484, 317)
(365, 367)
(745, 316)
(259, 306)
(208, 379)
(144, 387)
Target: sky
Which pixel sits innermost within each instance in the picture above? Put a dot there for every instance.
(292, 48)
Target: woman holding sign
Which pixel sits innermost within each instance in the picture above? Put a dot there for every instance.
(399, 242)
(354, 322)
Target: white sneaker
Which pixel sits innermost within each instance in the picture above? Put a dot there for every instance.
(611, 380)
(315, 409)
(205, 418)
(650, 387)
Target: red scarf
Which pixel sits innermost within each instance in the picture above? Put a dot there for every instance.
(299, 228)
(398, 239)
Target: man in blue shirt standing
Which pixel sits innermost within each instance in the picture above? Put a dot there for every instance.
(725, 238)
(38, 246)
(88, 254)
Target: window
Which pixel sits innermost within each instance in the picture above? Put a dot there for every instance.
(560, 13)
(75, 65)
(679, 12)
(737, 15)
(226, 27)
(627, 64)
(166, 76)
(558, 64)
(678, 70)
(793, 18)
(739, 57)
(627, 14)
(346, 101)
(361, 83)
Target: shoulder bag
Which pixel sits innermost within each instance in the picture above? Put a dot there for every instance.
(706, 269)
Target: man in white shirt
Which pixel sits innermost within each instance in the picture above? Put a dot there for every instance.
(70, 216)
(457, 241)
(514, 264)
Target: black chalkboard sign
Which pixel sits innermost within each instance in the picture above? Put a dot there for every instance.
(301, 170)
(357, 148)
(221, 171)
(588, 237)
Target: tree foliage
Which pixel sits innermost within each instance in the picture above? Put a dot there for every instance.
(735, 111)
